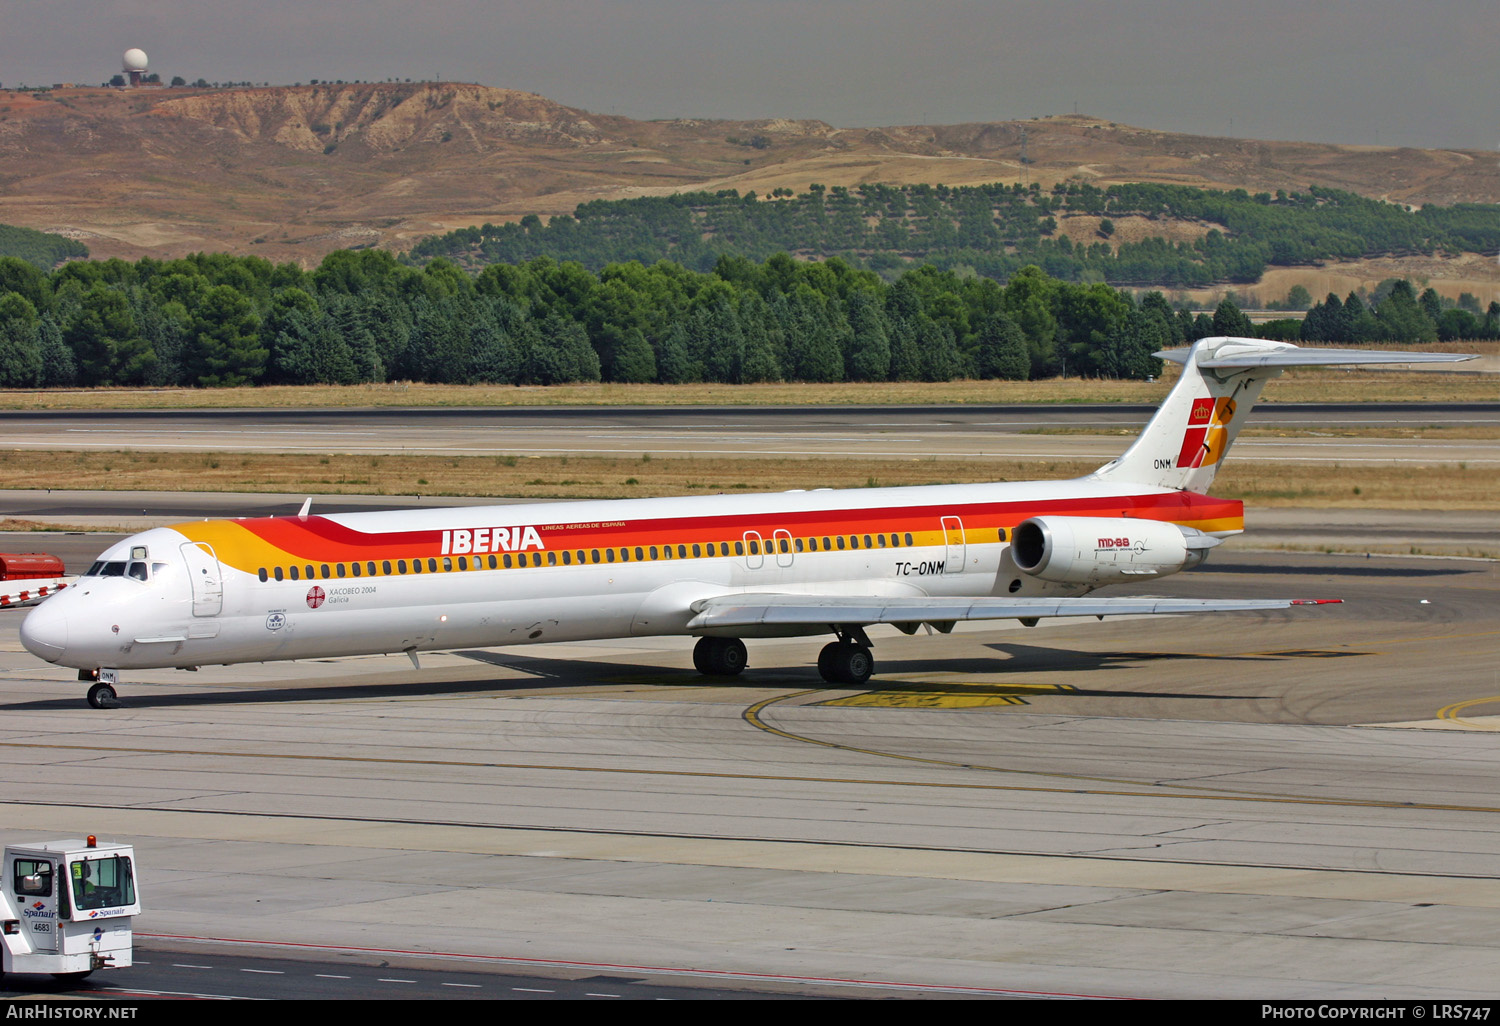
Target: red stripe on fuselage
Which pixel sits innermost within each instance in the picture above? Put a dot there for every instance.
(319, 539)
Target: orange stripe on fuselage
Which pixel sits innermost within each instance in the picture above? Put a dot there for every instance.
(251, 544)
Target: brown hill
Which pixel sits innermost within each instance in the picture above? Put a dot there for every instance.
(293, 172)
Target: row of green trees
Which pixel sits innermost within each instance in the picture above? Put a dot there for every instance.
(43, 249)
(1399, 315)
(995, 230)
(362, 316)
(219, 320)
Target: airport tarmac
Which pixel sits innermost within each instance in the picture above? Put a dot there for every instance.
(1000, 432)
(1293, 805)
(1302, 804)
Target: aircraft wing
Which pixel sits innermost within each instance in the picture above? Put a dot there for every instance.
(787, 610)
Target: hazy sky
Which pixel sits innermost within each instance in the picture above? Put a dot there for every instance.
(1392, 72)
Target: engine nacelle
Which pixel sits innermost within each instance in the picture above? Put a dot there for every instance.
(1105, 550)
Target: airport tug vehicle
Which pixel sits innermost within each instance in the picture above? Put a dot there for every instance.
(67, 907)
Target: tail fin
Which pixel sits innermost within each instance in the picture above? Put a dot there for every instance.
(1185, 442)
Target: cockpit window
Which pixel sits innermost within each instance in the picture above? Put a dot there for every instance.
(96, 569)
(113, 569)
(138, 571)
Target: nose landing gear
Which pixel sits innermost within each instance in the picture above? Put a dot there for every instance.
(102, 694)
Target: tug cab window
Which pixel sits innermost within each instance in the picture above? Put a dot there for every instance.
(32, 878)
(103, 883)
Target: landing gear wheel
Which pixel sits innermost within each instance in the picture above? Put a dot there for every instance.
(844, 663)
(720, 657)
(102, 696)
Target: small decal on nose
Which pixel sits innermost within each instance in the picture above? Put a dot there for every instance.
(315, 597)
(275, 621)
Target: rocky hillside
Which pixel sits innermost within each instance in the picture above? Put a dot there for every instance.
(293, 172)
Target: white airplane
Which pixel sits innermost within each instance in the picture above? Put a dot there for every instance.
(721, 568)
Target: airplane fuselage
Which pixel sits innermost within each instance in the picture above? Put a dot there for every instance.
(229, 591)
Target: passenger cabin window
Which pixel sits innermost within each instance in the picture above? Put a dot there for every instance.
(292, 570)
(261, 573)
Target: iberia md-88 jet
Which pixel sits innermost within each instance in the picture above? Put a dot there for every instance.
(719, 568)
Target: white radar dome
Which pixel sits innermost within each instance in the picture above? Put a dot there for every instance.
(135, 59)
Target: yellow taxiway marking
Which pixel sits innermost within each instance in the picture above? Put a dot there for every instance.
(1451, 712)
(942, 693)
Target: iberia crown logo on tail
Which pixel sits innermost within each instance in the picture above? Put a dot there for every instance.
(1208, 428)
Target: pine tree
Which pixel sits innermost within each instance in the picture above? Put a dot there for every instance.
(20, 343)
(870, 346)
(673, 367)
(634, 360)
(1002, 350)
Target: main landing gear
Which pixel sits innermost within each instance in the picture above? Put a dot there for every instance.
(719, 657)
(847, 660)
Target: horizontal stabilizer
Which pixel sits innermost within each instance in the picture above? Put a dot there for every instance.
(789, 610)
(1225, 357)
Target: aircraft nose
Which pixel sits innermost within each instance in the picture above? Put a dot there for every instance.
(44, 632)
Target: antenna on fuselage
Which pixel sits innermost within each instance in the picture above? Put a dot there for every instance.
(306, 506)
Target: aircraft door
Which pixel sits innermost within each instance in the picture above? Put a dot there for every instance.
(754, 550)
(782, 542)
(953, 537)
(207, 577)
(34, 886)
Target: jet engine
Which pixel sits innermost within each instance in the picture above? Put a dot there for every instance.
(1105, 550)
